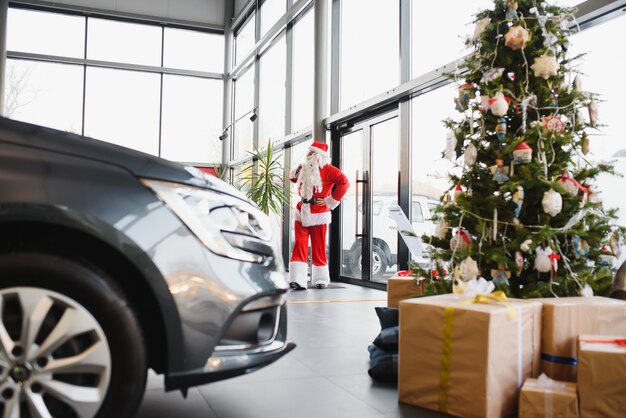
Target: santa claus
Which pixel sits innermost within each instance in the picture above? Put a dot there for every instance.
(315, 178)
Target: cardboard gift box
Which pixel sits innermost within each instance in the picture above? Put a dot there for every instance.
(467, 359)
(564, 319)
(548, 398)
(403, 287)
(602, 375)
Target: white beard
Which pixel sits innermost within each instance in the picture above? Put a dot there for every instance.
(309, 178)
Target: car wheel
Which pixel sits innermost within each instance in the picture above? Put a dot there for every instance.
(70, 346)
(379, 261)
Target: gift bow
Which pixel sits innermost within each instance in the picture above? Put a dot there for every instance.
(497, 296)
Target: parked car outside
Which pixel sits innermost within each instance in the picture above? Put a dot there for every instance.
(385, 233)
(112, 262)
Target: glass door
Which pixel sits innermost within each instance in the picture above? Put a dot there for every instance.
(370, 160)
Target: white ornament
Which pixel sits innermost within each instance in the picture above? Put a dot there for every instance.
(552, 202)
(469, 269)
(498, 104)
(545, 66)
(484, 103)
(586, 291)
(449, 152)
(593, 113)
(543, 264)
(578, 84)
(460, 240)
(480, 27)
(471, 153)
(442, 229)
(568, 184)
(525, 246)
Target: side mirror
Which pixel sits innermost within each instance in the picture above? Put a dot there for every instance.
(619, 285)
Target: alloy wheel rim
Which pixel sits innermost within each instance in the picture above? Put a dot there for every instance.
(376, 265)
(55, 359)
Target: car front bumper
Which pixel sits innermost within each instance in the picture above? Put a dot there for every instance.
(230, 360)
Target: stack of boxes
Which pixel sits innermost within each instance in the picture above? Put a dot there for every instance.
(480, 357)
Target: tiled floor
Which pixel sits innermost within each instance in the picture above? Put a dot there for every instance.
(324, 377)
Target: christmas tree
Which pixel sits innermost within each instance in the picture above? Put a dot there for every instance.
(523, 212)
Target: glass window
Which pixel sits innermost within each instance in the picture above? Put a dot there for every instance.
(271, 11)
(45, 94)
(303, 68)
(193, 50)
(608, 142)
(59, 34)
(298, 153)
(429, 169)
(428, 54)
(192, 119)
(122, 107)
(370, 51)
(245, 40)
(244, 102)
(272, 94)
(130, 43)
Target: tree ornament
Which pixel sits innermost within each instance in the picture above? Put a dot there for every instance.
(519, 262)
(465, 94)
(523, 153)
(552, 202)
(492, 74)
(553, 124)
(501, 130)
(450, 151)
(498, 104)
(581, 248)
(545, 66)
(525, 246)
(511, 10)
(460, 240)
(500, 275)
(594, 195)
(606, 258)
(543, 264)
(585, 144)
(471, 153)
(499, 171)
(441, 229)
(458, 192)
(616, 245)
(578, 84)
(569, 184)
(481, 25)
(516, 38)
(518, 199)
(593, 113)
(469, 269)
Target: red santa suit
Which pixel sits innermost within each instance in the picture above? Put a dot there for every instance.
(316, 179)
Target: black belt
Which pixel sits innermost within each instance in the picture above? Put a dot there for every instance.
(311, 201)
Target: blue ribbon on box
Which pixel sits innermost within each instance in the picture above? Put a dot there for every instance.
(559, 360)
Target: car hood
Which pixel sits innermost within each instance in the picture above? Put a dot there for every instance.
(138, 163)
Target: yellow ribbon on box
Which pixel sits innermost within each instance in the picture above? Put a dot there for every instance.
(446, 351)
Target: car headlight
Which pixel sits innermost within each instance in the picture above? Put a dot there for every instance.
(226, 225)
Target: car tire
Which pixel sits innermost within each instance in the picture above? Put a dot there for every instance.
(379, 259)
(87, 358)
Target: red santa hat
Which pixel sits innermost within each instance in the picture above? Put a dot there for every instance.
(319, 148)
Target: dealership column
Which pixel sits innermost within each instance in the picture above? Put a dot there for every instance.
(4, 8)
(321, 58)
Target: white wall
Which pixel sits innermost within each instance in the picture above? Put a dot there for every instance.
(209, 12)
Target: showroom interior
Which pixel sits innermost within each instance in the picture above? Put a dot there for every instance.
(211, 83)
